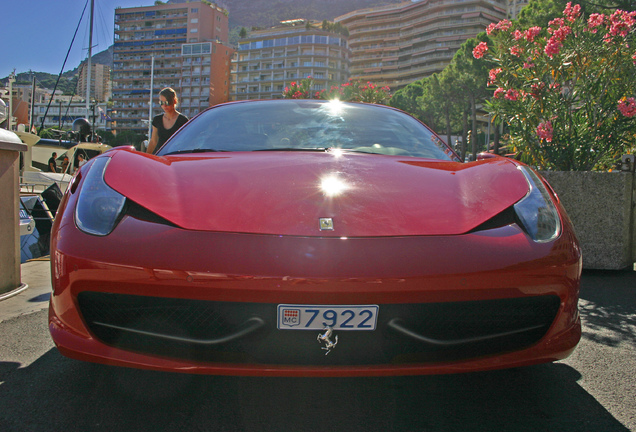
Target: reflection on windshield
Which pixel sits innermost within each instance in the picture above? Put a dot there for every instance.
(285, 125)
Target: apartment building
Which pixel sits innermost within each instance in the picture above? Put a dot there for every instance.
(398, 44)
(176, 44)
(269, 60)
(100, 88)
(205, 76)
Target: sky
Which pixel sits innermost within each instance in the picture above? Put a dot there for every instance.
(37, 34)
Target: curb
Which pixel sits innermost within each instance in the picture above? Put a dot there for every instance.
(15, 292)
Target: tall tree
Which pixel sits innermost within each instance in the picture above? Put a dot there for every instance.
(472, 80)
(406, 99)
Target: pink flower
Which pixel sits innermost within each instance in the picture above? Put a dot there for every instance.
(594, 21)
(512, 95)
(515, 50)
(531, 33)
(572, 13)
(528, 65)
(558, 36)
(517, 35)
(557, 22)
(544, 131)
(627, 107)
(498, 93)
(553, 47)
(501, 25)
(492, 75)
(634, 58)
(561, 33)
(621, 22)
(504, 25)
(480, 49)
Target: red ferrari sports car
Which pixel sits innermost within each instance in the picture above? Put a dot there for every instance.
(312, 238)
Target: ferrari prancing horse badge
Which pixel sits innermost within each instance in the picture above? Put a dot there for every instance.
(325, 337)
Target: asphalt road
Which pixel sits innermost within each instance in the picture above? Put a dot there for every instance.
(593, 390)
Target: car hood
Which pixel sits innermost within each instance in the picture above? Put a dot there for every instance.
(287, 193)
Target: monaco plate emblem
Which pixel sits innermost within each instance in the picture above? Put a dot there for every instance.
(291, 317)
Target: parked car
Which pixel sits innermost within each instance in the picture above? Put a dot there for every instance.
(312, 238)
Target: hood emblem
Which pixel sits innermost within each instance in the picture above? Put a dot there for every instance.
(326, 224)
(325, 337)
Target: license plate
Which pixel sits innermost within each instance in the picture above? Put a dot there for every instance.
(318, 317)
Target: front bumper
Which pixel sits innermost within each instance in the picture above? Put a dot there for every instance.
(445, 288)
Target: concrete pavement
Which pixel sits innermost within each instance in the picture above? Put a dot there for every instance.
(36, 274)
(592, 390)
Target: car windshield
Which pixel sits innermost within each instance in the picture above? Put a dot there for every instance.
(307, 125)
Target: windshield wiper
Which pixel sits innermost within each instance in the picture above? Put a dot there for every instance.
(196, 150)
(310, 149)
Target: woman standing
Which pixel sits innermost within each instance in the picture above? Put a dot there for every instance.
(164, 125)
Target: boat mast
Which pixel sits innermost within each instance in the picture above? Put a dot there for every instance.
(90, 52)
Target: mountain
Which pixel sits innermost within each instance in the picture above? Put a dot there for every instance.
(104, 57)
(266, 13)
(66, 84)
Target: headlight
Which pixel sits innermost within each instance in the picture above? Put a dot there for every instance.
(536, 211)
(98, 206)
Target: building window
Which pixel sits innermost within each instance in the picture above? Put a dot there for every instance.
(196, 49)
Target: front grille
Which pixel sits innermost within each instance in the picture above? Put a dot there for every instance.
(197, 330)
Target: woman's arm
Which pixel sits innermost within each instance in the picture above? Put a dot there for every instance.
(153, 141)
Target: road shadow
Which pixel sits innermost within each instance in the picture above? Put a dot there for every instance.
(40, 298)
(608, 306)
(56, 393)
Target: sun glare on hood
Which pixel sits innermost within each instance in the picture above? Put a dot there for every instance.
(335, 107)
(333, 186)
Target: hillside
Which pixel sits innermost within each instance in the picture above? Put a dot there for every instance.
(66, 84)
(266, 13)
